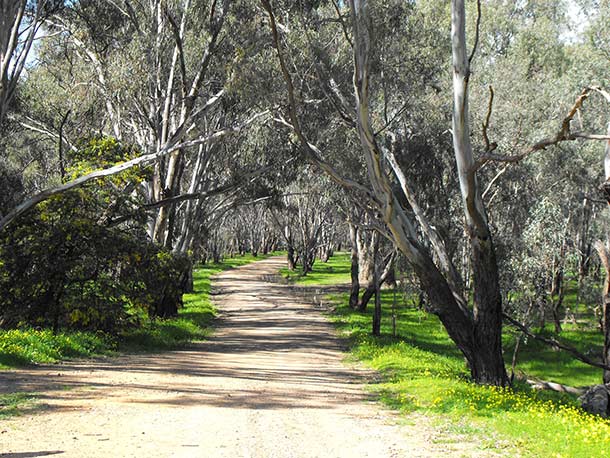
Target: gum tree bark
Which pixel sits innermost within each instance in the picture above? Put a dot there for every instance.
(354, 271)
(19, 22)
(475, 332)
(487, 299)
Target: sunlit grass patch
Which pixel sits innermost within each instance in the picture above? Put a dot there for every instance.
(539, 360)
(336, 270)
(13, 403)
(423, 373)
(20, 347)
(419, 374)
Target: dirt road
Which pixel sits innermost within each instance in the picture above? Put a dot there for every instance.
(269, 383)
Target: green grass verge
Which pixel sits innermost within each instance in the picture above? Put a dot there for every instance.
(21, 347)
(422, 371)
(336, 270)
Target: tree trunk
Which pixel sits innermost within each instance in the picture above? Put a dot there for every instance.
(371, 289)
(305, 262)
(604, 256)
(487, 365)
(290, 257)
(365, 263)
(557, 294)
(187, 282)
(606, 325)
(377, 311)
(478, 334)
(583, 242)
(354, 271)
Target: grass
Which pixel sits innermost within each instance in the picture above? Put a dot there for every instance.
(336, 270)
(541, 361)
(538, 360)
(22, 347)
(422, 372)
(13, 403)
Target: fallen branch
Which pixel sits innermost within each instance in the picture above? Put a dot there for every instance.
(558, 387)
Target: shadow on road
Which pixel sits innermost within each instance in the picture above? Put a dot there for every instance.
(263, 335)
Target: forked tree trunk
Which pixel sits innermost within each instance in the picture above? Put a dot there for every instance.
(478, 333)
(487, 365)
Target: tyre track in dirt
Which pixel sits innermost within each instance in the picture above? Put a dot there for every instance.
(270, 382)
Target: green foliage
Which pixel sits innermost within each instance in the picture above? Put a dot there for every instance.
(104, 152)
(24, 346)
(422, 371)
(60, 268)
(11, 187)
(69, 264)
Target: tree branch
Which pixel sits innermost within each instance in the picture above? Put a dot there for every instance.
(311, 151)
(562, 135)
(170, 147)
(476, 34)
(555, 343)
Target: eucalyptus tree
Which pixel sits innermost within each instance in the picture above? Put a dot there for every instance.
(167, 78)
(306, 216)
(475, 329)
(20, 24)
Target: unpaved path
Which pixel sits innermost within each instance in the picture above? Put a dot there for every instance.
(269, 383)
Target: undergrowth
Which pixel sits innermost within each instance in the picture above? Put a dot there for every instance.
(20, 347)
(422, 371)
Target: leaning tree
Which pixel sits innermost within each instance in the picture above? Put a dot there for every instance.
(473, 319)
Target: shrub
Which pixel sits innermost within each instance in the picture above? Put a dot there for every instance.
(82, 259)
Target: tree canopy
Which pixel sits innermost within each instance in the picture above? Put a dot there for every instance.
(461, 144)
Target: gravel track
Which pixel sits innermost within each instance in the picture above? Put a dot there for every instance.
(270, 382)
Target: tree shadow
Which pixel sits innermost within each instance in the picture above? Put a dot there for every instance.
(283, 353)
(31, 454)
